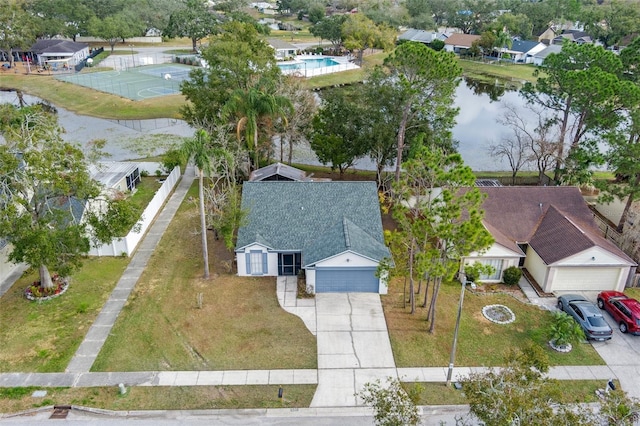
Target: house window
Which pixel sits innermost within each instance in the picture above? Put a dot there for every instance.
(497, 269)
(256, 263)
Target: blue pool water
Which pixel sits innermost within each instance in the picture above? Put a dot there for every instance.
(310, 64)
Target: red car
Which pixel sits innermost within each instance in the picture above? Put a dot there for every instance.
(623, 309)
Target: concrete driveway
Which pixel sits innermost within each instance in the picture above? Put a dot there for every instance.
(621, 353)
(353, 346)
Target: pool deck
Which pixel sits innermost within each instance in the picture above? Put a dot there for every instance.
(343, 65)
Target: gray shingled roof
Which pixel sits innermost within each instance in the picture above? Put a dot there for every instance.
(320, 219)
(548, 51)
(57, 46)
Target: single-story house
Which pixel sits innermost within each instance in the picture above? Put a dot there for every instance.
(422, 36)
(279, 171)
(283, 50)
(330, 230)
(554, 30)
(551, 232)
(116, 175)
(459, 43)
(57, 51)
(524, 50)
(539, 57)
(577, 36)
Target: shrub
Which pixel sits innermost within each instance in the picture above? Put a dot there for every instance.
(391, 403)
(565, 330)
(511, 275)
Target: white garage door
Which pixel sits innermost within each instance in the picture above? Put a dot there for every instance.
(576, 279)
(346, 280)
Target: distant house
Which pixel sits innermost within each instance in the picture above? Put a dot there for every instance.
(330, 230)
(576, 36)
(554, 30)
(60, 52)
(539, 57)
(523, 51)
(115, 175)
(7, 267)
(421, 36)
(551, 232)
(283, 50)
(459, 43)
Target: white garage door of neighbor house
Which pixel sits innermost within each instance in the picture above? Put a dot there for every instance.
(574, 279)
(346, 280)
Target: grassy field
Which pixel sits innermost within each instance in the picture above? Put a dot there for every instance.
(240, 324)
(160, 398)
(42, 337)
(505, 71)
(480, 342)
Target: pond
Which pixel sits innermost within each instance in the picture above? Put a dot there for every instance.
(476, 128)
(125, 139)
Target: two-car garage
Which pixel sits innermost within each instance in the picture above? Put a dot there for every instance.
(342, 280)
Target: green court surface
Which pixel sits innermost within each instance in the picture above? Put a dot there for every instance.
(135, 83)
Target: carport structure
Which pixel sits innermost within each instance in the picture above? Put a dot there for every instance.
(330, 230)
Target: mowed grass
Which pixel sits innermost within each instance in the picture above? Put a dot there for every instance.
(482, 70)
(42, 337)
(87, 101)
(160, 398)
(480, 342)
(240, 325)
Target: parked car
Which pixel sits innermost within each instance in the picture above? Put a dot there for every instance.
(587, 315)
(623, 309)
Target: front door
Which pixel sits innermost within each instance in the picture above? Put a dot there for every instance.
(289, 263)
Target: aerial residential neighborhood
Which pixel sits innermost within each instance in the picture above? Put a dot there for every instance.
(317, 213)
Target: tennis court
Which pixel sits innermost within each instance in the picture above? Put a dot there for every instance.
(135, 83)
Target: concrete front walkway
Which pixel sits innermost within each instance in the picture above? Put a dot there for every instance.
(101, 327)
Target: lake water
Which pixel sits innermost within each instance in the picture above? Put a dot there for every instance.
(476, 128)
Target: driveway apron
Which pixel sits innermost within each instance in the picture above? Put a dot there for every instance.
(353, 347)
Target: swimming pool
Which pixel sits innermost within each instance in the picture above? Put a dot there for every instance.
(309, 64)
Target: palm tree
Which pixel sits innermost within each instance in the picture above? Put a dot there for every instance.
(198, 149)
(503, 39)
(250, 107)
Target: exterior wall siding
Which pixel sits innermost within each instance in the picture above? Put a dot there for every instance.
(536, 267)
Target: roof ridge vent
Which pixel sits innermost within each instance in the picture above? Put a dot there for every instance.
(347, 241)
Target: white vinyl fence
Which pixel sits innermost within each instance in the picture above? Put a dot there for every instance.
(127, 245)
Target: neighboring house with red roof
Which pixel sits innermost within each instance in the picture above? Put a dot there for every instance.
(459, 43)
(551, 232)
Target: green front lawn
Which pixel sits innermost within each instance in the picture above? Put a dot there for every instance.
(240, 324)
(160, 398)
(42, 337)
(480, 342)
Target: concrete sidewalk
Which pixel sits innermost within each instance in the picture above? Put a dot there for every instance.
(101, 327)
(271, 377)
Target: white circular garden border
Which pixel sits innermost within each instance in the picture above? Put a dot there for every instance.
(487, 308)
